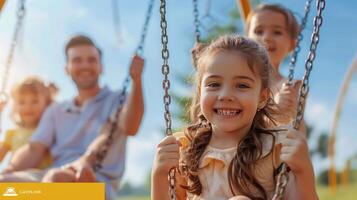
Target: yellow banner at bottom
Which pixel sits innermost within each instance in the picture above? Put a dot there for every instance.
(52, 191)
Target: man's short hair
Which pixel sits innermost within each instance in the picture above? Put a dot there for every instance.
(79, 40)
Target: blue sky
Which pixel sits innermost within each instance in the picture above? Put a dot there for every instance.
(50, 23)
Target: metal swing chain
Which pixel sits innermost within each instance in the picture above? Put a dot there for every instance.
(20, 18)
(309, 63)
(140, 48)
(196, 21)
(165, 67)
(113, 120)
(299, 39)
(283, 176)
(166, 86)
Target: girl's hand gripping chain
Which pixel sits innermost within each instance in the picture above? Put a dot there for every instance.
(167, 155)
(294, 150)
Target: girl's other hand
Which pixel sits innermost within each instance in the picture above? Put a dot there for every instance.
(295, 151)
(167, 155)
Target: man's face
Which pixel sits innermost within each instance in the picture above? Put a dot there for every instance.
(84, 66)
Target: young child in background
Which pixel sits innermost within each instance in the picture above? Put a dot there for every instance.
(30, 99)
(230, 152)
(277, 29)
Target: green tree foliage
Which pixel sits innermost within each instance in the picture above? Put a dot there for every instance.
(322, 145)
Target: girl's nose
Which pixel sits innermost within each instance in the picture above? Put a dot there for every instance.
(266, 37)
(225, 95)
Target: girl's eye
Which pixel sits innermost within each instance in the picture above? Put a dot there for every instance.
(213, 84)
(243, 86)
(277, 32)
(258, 32)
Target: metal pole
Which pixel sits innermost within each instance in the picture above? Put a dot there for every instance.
(332, 178)
(2, 2)
(244, 9)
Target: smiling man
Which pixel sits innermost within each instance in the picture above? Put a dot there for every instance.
(68, 129)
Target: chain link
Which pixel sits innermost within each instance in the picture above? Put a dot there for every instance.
(196, 21)
(299, 39)
(165, 67)
(283, 176)
(309, 63)
(172, 184)
(5, 75)
(113, 120)
(20, 16)
(140, 49)
(282, 181)
(113, 125)
(166, 86)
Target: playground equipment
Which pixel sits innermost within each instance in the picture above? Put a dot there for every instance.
(332, 177)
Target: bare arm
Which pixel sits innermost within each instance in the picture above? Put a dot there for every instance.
(3, 151)
(160, 187)
(132, 113)
(167, 157)
(28, 156)
(295, 154)
(302, 185)
(3, 148)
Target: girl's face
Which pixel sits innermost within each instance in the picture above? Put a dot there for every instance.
(270, 29)
(230, 93)
(30, 107)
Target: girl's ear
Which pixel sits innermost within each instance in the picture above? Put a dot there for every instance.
(293, 44)
(264, 95)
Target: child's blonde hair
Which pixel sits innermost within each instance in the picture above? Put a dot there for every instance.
(36, 86)
(249, 150)
(293, 26)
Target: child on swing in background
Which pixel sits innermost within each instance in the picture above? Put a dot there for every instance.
(30, 99)
(277, 29)
(229, 152)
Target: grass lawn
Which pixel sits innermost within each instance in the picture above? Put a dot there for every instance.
(133, 198)
(343, 193)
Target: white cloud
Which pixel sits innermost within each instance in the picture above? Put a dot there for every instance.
(319, 114)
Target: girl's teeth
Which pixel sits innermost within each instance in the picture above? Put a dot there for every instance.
(227, 112)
